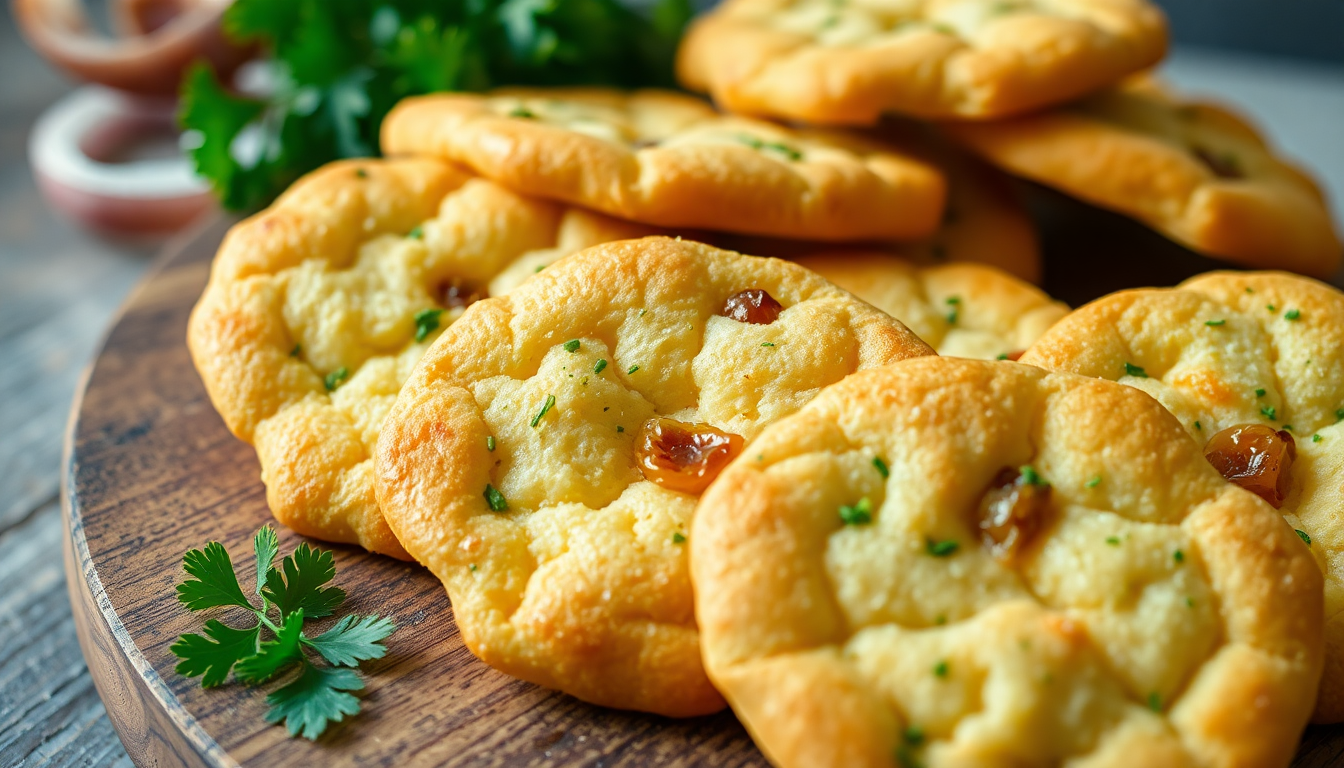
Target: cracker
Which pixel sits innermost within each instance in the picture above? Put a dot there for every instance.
(1195, 172)
(851, 61)
(532, 405)
(961, 310)
(1226, 349)
(667, 159)
(1157, 616)
(308, 325)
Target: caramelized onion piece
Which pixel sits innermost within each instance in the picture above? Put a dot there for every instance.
(454, 293)
(684, 457)
(1255, 457)
(1011, 512)
(754, 306)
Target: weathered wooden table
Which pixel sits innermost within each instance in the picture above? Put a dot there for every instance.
(59, 289)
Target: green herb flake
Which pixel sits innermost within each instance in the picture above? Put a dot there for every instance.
(1189, 602)
(881, 467)
(523, 113)
(767, 344)
(545, 408)
(859, 514)
(1271, 307)
(1339, 415)
(940, 548)
(1094, 482)
(1303, 536)
(1214, 323)
(296, 351)
(1315, 438)
(416, 233)
(361, 173)
(573, 345)
(913, 735)
(495, 499)
(333, 380)
(1259, 393)
(599, 366)
(1199, 427)
(1155, 702)
(1135, 371)
(678, 538)
(1288, 427)
(1249, 289)
(1292, 314)
(1114, 541)
(619, 428)
(472, 568)
(940, 669)
(1030, 476)
(1002, 356)
(632, 369)
(293, 592)
(1178, 556)
(490, 443)
(1269, 412)
(426, 322)
(539, 268)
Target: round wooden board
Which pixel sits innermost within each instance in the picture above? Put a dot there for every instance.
(152, 472)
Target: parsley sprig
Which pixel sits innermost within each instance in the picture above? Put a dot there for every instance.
(294, 591)
(335, 69)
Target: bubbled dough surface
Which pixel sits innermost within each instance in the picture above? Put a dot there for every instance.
(580, 586)
(331, 270)
(1130, 149)
(1209, 375)
(669, 159)
(851, 61)
(825, 637)
(961, 310)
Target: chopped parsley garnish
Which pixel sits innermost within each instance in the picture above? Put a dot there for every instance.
(291, 592)
(1288, 427)
(546, 407)
(599, 366)
(1178, 556)
(1030, 476)
(678, 538)
(1249, 289)
(1002, 356)
(1189, 602)
(417, 233)
(495, 499)
(298, 348)
(940, 669)
(490, 443)
(539, 268)
(1215, 322)
(773, 146)
(573, 345)
(940, 548)
(426, 322)
(1199, 427)
(472, 568)
(619, 428)
(1339, 415)
(1135, 371)
(1271, 307)
(859, 514)
(632, 369)
(1269, 412)
(1292, 314)
(361, 173)
(1114, 541)
(881, 467)
(1094, 482)
(333, 380)
(1259, 393)
(767, 344)
(1303, 536)
(955, 303)
(1315, 438)
(522, 112)
(1155, 702)
(914, 736)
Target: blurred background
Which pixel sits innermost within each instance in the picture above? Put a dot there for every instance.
(1279, 61)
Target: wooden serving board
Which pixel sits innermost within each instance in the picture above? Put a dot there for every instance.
(152, 472)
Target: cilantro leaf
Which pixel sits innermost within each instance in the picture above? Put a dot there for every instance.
(266, 545)
(317, 697)
(215, 583)
(212, 657)
(274, 655)
(300, 588)
(353, 640)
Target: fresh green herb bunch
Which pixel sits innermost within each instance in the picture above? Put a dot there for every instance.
(316, 694)
(340, 65)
